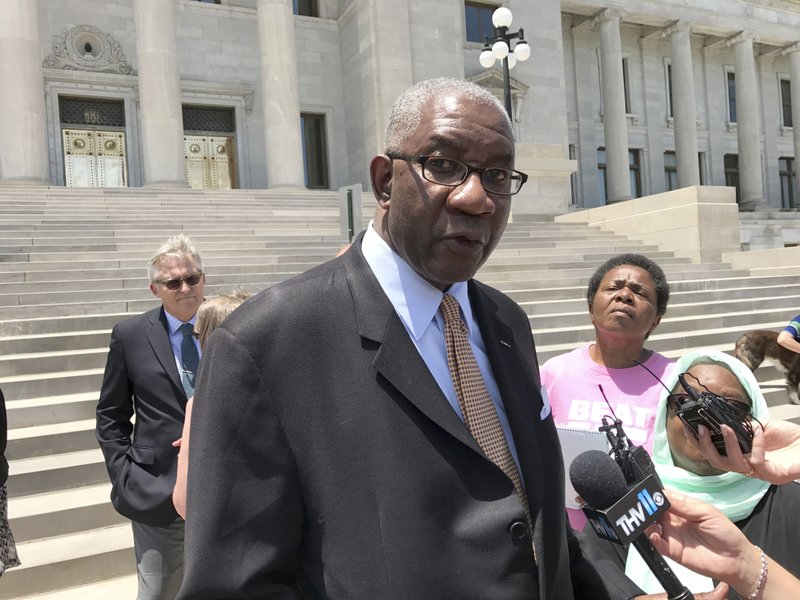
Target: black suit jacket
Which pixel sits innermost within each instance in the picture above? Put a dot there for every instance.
(141, 376)
(327, 463)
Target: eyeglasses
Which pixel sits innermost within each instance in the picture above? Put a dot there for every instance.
(177, 283)
(676, 401)
(446, 171)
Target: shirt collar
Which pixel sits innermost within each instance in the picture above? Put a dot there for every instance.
(174, 322)
(414, 300)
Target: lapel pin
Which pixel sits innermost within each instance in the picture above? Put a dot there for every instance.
(505, 343)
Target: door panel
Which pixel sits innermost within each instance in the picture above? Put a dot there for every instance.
(94, 158)
(210, 162)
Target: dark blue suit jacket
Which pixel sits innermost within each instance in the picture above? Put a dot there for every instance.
(141, 377)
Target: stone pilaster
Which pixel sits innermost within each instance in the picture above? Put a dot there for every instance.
(748, 134)
(684, 110)
(279, 91)
(618, 186)
(794, 62)
(23, 125)
(159, 94)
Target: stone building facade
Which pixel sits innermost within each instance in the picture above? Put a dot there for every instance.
(619, 99)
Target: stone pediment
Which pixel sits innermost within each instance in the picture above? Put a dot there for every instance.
(87, 48)
(492, 80)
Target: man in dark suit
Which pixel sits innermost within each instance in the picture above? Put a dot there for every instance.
(335, 453)
(150, 371)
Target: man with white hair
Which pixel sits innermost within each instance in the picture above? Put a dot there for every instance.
(373, 429)
(150, 372)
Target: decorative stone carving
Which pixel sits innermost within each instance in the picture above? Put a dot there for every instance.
(87, 48)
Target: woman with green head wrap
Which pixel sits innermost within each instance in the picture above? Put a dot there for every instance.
(769, 515)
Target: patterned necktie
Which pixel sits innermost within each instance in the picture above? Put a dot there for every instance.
(189, 359)
(476, 404)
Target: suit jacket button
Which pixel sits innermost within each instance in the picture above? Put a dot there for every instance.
(518, 530)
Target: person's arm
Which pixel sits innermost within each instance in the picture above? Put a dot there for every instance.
(700, 537)
(245, 512)
(115, 408)
(601, 570)
(787, 340)
(774, 456)
(179, 491)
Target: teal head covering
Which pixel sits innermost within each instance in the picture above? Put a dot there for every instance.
(733, 493)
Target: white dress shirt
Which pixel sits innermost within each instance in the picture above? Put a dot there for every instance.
(417, 304)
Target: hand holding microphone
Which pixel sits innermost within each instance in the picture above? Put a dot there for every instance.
(700, 537)
(621, 515)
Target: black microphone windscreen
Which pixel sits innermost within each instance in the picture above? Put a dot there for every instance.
(597, 479)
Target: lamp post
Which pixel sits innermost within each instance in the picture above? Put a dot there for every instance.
(502, 50)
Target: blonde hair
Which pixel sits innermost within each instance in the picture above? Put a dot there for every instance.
(175, 247)
(213, 312)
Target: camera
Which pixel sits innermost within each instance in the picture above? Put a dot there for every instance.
(712, 410)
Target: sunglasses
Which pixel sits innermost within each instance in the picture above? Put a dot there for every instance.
(676, 402)
(177, 283)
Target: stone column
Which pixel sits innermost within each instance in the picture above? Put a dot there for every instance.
(794, 62)
(23, 125)
(684, 110)
(748, 134)
(159, 94)
(279, 92)
(618, 185)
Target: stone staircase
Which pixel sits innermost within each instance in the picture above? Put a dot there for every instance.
(72, 263)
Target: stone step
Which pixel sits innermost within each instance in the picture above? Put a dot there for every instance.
(64, 471)
(55, 438)
(573, 287)
(46, 410)
(678, 315)
(65, 561)
(680, 304)
(258, 272)
(228, 259)
(122, 587)
(70, 324)
(62, 512)
(53, 342)
(22, 387)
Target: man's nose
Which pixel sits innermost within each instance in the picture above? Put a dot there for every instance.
(470, 197)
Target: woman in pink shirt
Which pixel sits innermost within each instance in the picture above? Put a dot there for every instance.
(627, 297)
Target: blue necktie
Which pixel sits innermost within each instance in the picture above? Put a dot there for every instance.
(190, 359)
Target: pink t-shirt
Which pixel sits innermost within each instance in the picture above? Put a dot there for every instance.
(571, 381)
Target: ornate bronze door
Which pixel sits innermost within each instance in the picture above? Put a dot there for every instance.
(210, 163)
(94, 158)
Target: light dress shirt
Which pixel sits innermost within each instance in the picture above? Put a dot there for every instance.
(176, 338)
(417, 302)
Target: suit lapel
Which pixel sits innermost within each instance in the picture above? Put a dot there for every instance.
(517, 386)
(397, 359)
(158, 337)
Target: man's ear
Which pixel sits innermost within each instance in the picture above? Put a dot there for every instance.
(380, 174)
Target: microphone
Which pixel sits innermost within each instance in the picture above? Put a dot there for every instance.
(621, 515)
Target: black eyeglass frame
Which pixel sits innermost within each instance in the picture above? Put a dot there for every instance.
(174, 285)
(676, 401)
(421, 159)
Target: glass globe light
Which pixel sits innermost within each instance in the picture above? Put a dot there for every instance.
(486, 59)
(500, 50)
(512, 60)
(522, 51)
(502, 17)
